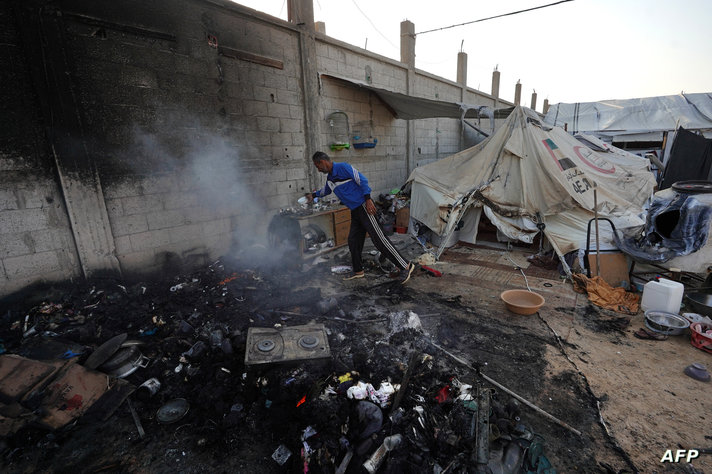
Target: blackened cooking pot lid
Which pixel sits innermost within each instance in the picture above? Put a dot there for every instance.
(172, 410)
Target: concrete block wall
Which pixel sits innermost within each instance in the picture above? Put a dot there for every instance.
(195, 144)
(384, 165)
(35, 238)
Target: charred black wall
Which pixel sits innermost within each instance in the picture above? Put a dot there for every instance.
(35, 237)
(148, 136)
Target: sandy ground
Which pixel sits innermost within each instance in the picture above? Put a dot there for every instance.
(647, 404)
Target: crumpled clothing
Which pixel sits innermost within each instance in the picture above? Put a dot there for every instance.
(604, 295)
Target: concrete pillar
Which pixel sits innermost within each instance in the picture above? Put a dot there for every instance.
(546, 106)
(407, 43)
(320, 27)
(533, 107)
(495, 83)
(462, 68)
(76, 168)
(518, 93)
(301, 12)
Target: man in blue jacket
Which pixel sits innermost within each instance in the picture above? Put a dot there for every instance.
(351, 187)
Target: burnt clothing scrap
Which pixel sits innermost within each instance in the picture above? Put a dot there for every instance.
(361, 223)
(349, 185)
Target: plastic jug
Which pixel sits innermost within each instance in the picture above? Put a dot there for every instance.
(662, 295)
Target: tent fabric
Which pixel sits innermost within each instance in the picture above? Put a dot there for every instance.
(690, 159)
(408, 107)
(643, 118)
(527, 174)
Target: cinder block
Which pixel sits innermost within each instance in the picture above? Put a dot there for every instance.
(293, 84)
(8, 200)
(187, 232)
(255, 108)
(256, 76)
(114, 208)
(126, 225)
(14, 245)
(275, 80)
(142, 261)
(142, 204)
(165, 219)
(288, 97)
(22, 220)
(35, 264)
(288, 187)
(281, 140)
(32, 198)
(279, 201)
(52, 239)
(290, 125)
(268, 124)
(220, 226)
(277, 110)
(180, 200)
(274, 174)
(197, 214)
(151, 239)
(122, 244)
(296, 173)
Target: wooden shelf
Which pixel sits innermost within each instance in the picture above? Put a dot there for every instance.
(334, 222)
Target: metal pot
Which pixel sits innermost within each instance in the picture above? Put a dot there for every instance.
(125, 361)
(700, 302)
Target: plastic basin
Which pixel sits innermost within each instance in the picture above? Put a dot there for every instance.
(522, 301)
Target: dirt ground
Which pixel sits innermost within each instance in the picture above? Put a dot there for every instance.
(621, 401)
(647, 403)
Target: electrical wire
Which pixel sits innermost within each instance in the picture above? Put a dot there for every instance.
(492, 17)
(374, 26)
(518, 268)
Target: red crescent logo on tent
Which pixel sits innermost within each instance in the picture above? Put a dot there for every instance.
(610, 170)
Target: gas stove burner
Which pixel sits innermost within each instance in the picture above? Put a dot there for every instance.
(286, 344)
(309, 341)
(266, 345)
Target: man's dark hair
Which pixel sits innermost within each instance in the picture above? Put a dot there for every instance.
(320, 156)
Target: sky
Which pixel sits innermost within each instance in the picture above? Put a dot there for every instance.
(578, 51)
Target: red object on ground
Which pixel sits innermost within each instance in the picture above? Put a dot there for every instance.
(304, 399)
(443, 394)
(699, 337)
(431, 271)
(400, 230)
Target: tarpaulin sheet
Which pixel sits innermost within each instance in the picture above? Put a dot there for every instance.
(677, 224)
(528, 173)
(409, 107)
(634, 116)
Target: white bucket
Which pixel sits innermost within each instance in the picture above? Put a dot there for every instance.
(662, 295)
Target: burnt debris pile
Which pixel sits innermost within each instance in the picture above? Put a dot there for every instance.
(231, 368)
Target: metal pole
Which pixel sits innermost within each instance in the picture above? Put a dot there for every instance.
(505, 389)
(595, 217)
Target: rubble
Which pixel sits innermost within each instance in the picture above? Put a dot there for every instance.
(377, 381)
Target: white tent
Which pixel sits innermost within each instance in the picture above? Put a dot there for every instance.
(529, 173)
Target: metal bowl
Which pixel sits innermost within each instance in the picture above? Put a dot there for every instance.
(666, 323)
(700, 302)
